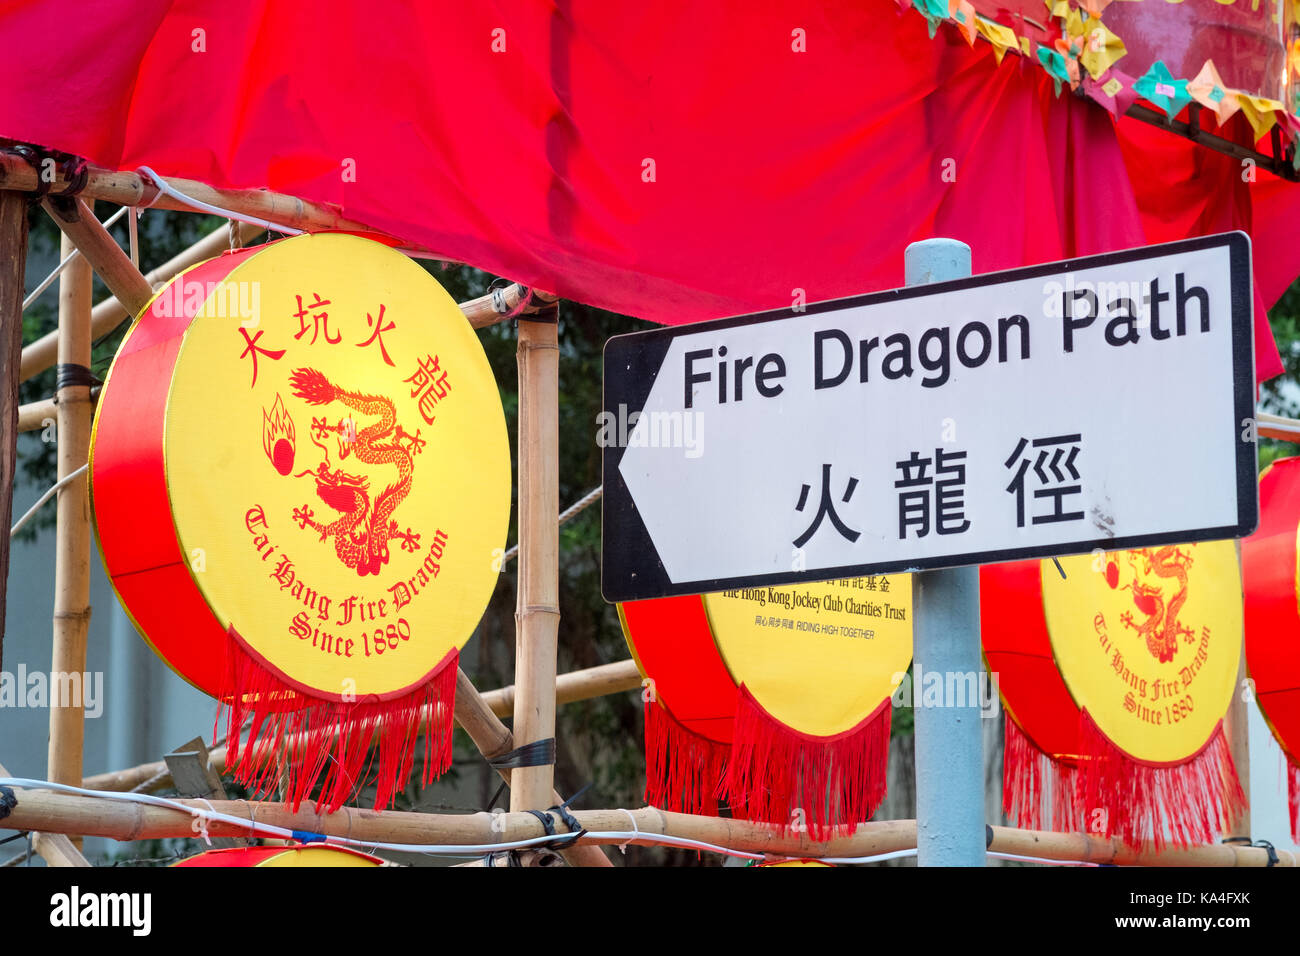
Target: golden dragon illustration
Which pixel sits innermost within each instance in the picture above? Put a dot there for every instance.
(363, 529)
(1161, 628)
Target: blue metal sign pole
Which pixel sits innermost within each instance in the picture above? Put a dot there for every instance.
(946, 605)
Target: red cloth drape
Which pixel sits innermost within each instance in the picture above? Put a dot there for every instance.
(773, 170)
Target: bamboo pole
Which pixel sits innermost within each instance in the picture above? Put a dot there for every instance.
(1236, 730)
(132, 189)
(72, 549)
(578, 685)
(34, 416)
(55, 848)
(1275, 426)
(537, 611)
(13, 262)
(56, 813)
(599, 681)
(109, 314)
(493, 739)
(104, 255)
(483, 311)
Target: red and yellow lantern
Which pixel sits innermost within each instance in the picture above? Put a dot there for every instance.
(1123, 735)
(300, 474)
(1272, 571)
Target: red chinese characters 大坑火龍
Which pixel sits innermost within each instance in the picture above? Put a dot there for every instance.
(430, 383)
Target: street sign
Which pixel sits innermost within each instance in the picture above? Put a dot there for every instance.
(1098, 403)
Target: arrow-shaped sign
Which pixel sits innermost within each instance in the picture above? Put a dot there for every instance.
(1095, 403)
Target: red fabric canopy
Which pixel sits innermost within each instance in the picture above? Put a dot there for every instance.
(773, 170)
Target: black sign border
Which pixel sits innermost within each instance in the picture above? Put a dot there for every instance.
(630, 565)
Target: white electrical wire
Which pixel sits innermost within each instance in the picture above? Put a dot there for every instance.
(46, 497)
(460, 849)
(49, 279)
(165, 188)
(1040, 859)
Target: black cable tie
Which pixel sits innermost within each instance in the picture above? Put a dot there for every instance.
(988, 836)
(72, 375)
(7, 801)
(1272, 851)
(547, 823)
(495, 797)
(539, 753)
(575, 828)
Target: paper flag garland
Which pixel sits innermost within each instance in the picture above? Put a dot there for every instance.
(1208, 90)
(1146, 644)
(1271, 564)
(300, 470)
(1158, 86)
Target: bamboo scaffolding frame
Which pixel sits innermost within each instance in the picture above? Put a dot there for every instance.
(72, 548)
(56, 813)
(537, 690)
(493, 739)
(585, 684)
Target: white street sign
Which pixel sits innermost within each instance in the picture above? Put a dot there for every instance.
(1103, 402)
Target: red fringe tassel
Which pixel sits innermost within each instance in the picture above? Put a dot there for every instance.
(1293, 795)
(298, 739)
(1037, 790)
(682, 769)
(781, 776)
(1111, 794)
(1184, 804)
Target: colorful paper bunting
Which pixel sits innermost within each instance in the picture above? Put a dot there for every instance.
(1158, 86)
(1207, 89)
